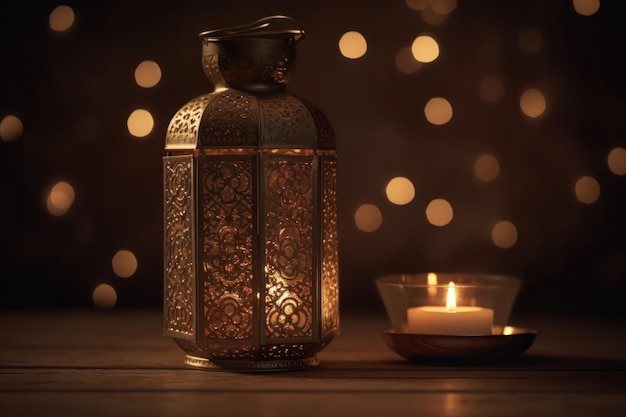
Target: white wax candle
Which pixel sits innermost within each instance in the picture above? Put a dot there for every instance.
(442, 321)
(450, 320)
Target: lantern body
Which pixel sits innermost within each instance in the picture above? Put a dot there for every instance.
(250, 211)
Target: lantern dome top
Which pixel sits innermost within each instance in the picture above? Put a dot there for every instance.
(249, 67)
(231, 118)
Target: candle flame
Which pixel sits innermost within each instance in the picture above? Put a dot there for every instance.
(451, 298)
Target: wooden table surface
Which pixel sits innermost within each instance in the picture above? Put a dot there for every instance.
(116, 363)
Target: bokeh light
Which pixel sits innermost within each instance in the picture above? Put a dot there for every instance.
(425, 49)
(586, 7)
(587, 190)
(124, 263)
(147, 74)
(443, 7)
(368, 218)
(433, 18)
(104, 296)
(400, 191)
(11, 128)
(487, 168)
(530, 41)
(491, 88)
(61, 18)
(532, 102)
(406, 63)
(504, 234)
(140, 123)
(439, 212)
(617, 161)
(352, 45)
(60, 198)
(438, 111)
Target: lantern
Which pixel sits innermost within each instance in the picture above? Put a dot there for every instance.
(250, 210)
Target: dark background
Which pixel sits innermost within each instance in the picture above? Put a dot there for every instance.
(74, 91)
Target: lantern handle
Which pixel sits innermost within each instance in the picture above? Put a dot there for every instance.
(270, 26)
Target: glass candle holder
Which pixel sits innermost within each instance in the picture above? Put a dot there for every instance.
(448, 303)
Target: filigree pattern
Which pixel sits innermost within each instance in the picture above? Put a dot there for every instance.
(288, 246)
(183, 128)
(325, 132)
(179, 246)
(231, 119)
(255, 68)
(212, 70)
(286, 122)
(330, 267)
(278, 351)
(227, 239)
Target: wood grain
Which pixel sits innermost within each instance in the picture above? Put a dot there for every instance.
(118, 364)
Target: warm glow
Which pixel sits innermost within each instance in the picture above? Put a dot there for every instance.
(352, 45)
(400, 191)
(11, 128)
(406, 63)
(451, 297)
(587, 190)
(504, 234)
(617, 161)
(438, 111)
(104, 296)
(433, 18)
(60, 198)
(443, 7)
(508, 330)
(491, 89)
(124, 263)
(586, 7)
(368, 218)
(533, 103)
(530, 41)
(439, 212)
(425, 49)
(431, 280)
(487, 168)
(61, 18)
(140, 123)
(147, 74)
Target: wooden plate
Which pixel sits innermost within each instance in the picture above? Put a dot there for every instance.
(417, 347)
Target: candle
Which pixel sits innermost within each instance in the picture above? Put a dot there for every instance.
(450, 320)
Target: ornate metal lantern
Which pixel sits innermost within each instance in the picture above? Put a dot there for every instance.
(250, 218)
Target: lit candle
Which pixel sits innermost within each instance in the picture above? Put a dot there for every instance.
(450, 320)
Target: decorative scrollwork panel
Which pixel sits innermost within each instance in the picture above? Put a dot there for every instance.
(289, 243)
(330, 257)
(227, 233)
(179, 257)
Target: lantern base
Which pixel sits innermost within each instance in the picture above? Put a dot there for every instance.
(251, 366)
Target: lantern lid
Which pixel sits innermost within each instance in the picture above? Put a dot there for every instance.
(270, 26)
